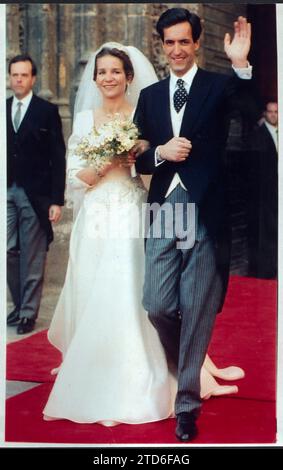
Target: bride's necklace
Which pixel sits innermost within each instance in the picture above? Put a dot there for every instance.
(114, 115)
(105, 116)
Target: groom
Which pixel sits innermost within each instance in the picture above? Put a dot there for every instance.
(185, 119)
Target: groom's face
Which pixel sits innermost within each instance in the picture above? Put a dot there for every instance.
(180, 48)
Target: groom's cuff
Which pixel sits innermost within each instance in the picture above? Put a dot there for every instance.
(245, 73)
(157, 157)
(133, 171)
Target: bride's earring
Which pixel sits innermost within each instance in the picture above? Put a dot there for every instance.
(128, 90)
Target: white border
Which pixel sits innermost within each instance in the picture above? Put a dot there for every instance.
(279, 16)
(279, 405)
(2, 219)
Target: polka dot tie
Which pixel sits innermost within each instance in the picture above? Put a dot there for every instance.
(180, 96)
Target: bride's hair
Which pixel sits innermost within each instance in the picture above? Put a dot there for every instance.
(135, 64)
(119, 54)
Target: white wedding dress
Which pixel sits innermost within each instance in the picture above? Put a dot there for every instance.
(114, 368)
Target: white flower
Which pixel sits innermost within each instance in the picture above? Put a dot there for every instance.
(113, 138)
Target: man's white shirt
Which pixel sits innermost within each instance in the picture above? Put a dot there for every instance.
(273, 132)
(25, 104)
(176, 118)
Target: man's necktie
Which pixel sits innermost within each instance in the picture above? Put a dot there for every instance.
(180, 96)
(17, 117)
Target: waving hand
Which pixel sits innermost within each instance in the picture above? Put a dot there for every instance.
(238, 48)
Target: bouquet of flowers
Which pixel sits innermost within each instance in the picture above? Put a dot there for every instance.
(113, 139)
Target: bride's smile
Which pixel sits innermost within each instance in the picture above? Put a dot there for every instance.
(111, 78)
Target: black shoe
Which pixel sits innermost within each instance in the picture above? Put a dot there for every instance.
(13, 318)
(186, 428)
(26, 326)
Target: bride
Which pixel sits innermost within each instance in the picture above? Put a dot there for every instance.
(114, 368)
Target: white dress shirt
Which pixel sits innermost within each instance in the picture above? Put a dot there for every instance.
(176, 118)
(274, 133)
(25, 104)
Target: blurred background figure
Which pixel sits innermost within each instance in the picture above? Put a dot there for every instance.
(263, 195)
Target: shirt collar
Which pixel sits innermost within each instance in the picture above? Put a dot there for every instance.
(270, 126)
(187, 77)
(25, 101)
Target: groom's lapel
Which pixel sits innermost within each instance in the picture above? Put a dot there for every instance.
(164, 109)
(198, 93)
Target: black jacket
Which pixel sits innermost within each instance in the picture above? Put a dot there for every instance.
(206, 123)
(36, 157)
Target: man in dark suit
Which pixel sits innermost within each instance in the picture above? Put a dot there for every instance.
(35, 193)
(262, 172)
(185, 119)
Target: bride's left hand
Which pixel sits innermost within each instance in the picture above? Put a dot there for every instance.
(140, 147)
(126, 160)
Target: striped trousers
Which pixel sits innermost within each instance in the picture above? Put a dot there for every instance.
(26, 253)
(182, 291)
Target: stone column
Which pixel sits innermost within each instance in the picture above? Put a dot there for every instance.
(64, 63)
(49, 43)
(12, 30)
(87, 20)
(12, 36)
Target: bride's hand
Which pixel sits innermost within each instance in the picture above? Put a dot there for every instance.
(107, 166)
(127, 160)
(91, 176)
(88, 176)
(140, 147)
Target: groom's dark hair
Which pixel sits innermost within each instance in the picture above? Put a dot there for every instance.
(179, 15)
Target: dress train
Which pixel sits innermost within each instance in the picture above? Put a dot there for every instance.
(209, 386)
(227, 373)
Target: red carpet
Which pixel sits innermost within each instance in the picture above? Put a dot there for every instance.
(40, 358)
(223, 420)
(245, 335)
